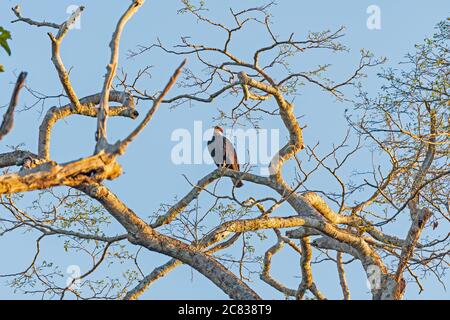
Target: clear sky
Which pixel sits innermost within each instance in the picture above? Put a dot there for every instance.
(150, 178)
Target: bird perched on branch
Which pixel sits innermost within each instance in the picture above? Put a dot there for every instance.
(223, 153)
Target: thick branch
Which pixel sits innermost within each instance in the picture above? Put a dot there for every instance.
(88, 107)
(99, 167)
(307, 278)
(295, 143)
(142, 234)
(420, 219)
(15, 158)
(163, 270)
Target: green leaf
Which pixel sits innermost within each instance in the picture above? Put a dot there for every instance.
(5, 35)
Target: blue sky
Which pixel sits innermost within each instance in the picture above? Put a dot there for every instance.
(403, 23)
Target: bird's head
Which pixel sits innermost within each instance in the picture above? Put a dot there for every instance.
(218, 130)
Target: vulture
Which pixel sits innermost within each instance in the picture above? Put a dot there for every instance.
(223, 153)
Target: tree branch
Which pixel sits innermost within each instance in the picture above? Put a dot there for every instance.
(111, 71)
(88, 107)
(8, 117)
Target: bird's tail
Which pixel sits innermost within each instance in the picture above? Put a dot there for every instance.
(237, 183)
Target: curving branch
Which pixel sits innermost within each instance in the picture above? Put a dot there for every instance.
(265, 273)
(57, 61)
(88, 107)
(307, 282)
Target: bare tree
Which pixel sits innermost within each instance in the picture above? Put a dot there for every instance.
(408, 123)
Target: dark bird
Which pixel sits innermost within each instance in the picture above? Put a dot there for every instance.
(223, 153)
